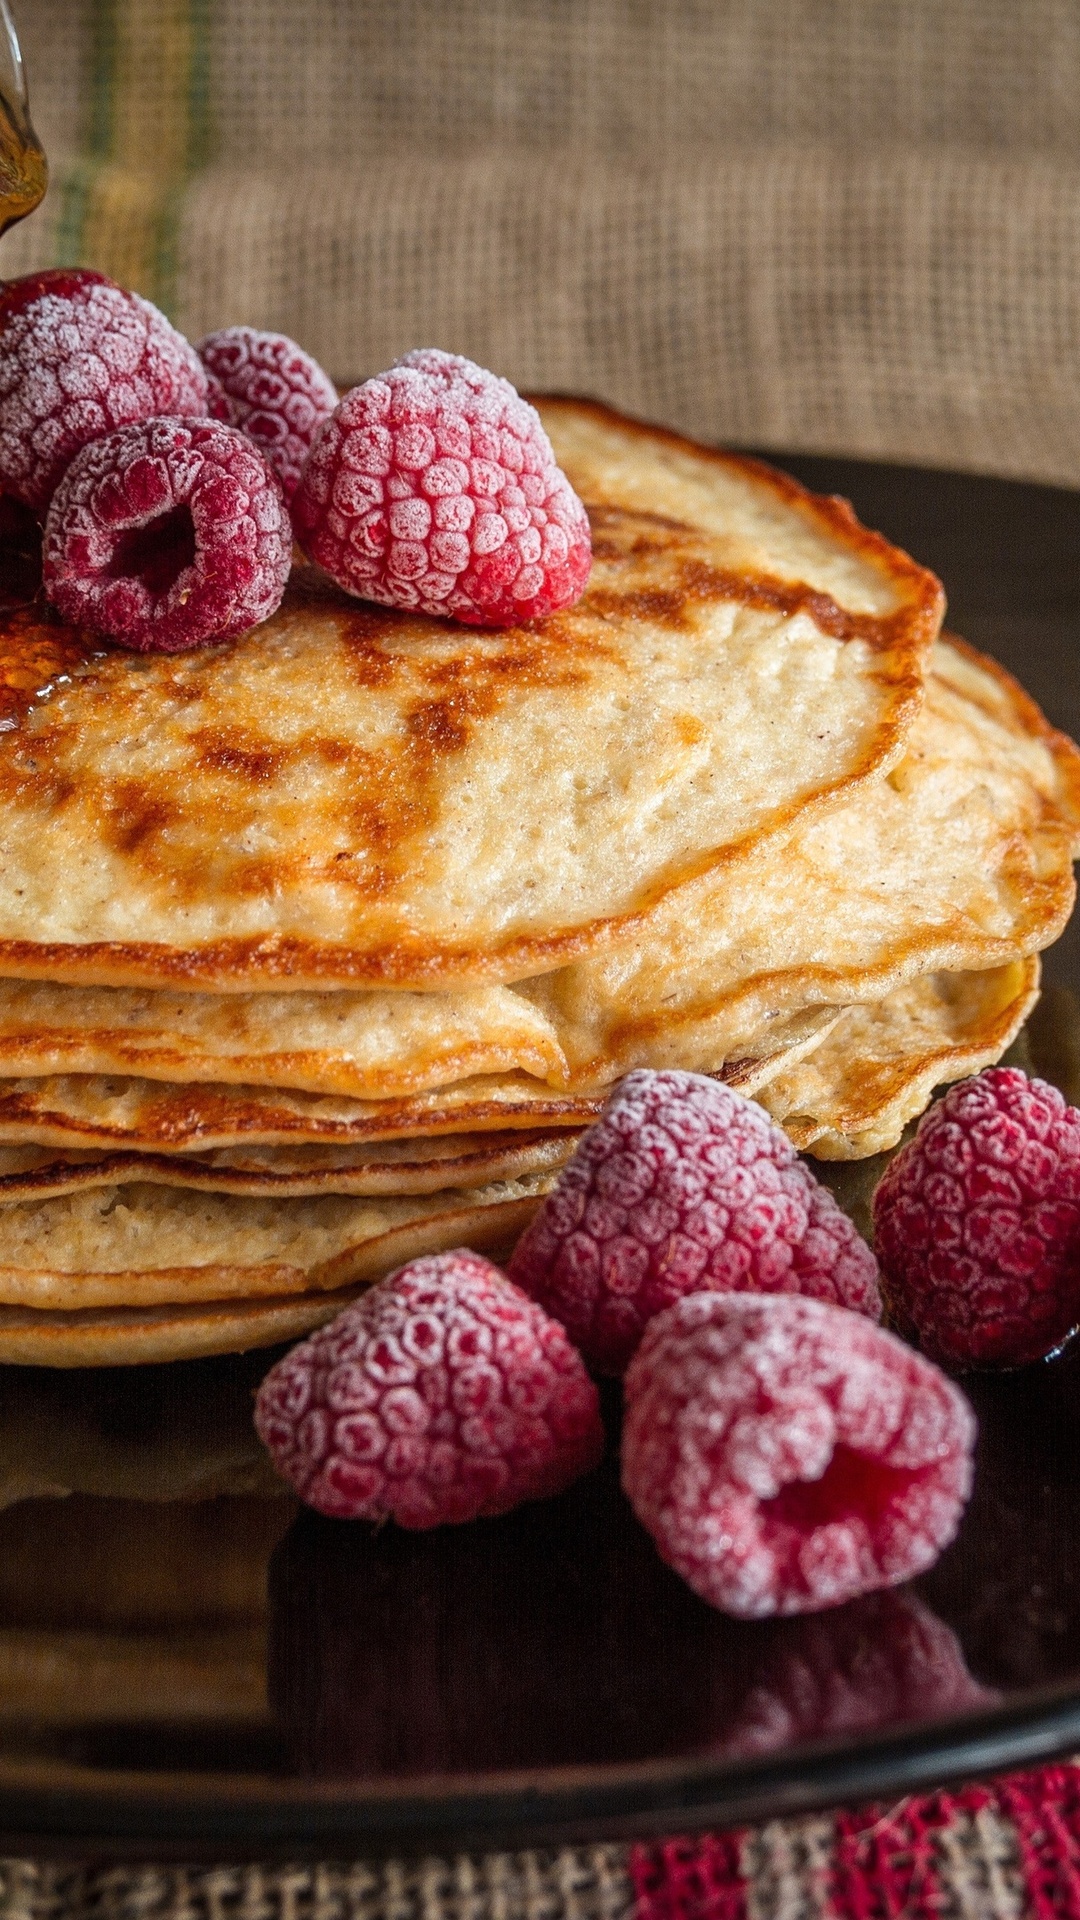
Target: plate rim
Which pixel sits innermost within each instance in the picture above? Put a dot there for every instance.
(60, 1808)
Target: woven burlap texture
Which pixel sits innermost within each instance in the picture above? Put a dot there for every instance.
(588, 1883)
(941, 1856)
(839, 225)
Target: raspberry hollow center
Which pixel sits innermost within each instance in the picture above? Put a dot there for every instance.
(156, 554)
(853, 1487)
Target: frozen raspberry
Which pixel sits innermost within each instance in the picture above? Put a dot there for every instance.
(166, 535)
(977, 1223)
(787, 1455)
(272, 390)
(218, 404)
(443, 1394)
(683, 1184)
(434, 486)
(79, 357)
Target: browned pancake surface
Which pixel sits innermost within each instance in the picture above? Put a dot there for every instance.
(350, 795)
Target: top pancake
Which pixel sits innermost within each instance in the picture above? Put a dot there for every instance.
(350, 796)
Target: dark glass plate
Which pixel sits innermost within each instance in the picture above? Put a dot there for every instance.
(190, 1667)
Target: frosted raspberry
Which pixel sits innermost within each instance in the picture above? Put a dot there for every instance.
(79, 357)
(270, 389)
(167, 535)
(683, 1184)
(977, 1223)
(787, 1455)
(218, 404)
(434, 486)
(443, 1394)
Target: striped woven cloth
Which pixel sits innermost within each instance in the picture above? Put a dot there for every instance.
(1010, 1851)
(846, 226)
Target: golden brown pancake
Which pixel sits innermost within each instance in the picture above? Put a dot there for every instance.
(127, 1114)
(368, 1045)
(143, 1245)
(85, 1111)
(140, 1336)
(878, 1068)
(960, 858)
(849, 1097)
(390, 1168)
(351, 795)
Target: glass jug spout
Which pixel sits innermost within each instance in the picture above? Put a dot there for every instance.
(24, 172)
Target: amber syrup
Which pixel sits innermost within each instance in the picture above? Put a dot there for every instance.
(24, 171)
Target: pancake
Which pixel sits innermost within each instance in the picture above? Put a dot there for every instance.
(371, 1046)
(412, 1165)
(86, 1111)
(934, 1029)
(391, 1168)
(68, 1679)
(958, 860)
(143, 1245)
(141, 1336)
(351, 795)
(127, 1114)
(368, 1045)
(855, 1094)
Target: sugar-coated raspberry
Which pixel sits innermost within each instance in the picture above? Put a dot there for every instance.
(977, 1223)
(79, 357)
(683, 1184)
(218, 404)
(434, 486)
(442, 1395)
(271, 390)
(167, 535)
(787, 1455)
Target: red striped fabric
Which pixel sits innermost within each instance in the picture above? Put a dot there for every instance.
(1006, 1851)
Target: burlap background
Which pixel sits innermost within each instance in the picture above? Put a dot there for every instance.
(835, 225)
(577, 1883)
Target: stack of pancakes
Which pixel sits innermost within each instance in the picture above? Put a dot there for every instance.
(319, 948)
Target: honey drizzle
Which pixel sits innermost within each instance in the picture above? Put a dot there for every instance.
(37, 656)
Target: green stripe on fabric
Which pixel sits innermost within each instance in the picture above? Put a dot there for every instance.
(147, 129)
(196, 153)
(101, 96)
(76, 192)
(200, 144)
(167, 246)
(72, 194)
